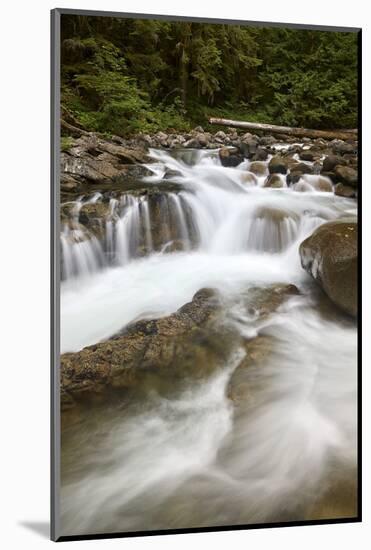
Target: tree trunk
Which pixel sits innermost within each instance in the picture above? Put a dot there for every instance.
(299, 132)
(73, 130)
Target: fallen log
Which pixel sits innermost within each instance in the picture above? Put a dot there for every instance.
(73, 130)
(299, 132)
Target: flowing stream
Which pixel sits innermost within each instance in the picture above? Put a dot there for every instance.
(193, 460)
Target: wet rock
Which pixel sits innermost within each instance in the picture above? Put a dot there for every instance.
(249, 178)
(220, 135)
(331, 161)
(277, 165)
(341, 147)
(346, 175)
(259, 302)
(89, 169)
(329, 255)
(260, 154)
(230, 156)
(192, 143)
(258, 168)
(262, 301)
(69, 183)
(274, 180)
(304, 168)
(345, 191)
(267, 140)
(93, 216)
(93, 161)
(274, 229)
(171, 173)
(307, 155)
(330, 175)
(170, 350)
(322, 184)
(202, 140)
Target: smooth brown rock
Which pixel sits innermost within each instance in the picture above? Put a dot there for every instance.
(346, 175)
(329, 255)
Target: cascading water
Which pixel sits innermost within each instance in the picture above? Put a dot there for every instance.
(190, 460)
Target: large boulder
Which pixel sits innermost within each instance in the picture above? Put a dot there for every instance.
(153, 353)
(165, 355)
(329, 255)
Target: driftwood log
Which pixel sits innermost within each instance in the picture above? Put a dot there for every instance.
(299, 132)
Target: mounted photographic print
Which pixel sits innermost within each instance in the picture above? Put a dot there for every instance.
(205, 188)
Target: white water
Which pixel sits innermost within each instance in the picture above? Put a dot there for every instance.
(187, 461)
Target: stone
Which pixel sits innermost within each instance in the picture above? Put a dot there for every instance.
(277, 165)
(329, 255)
(274, 181)
(230, 156)
(331, 161)
(345, 191)
(346, 175)
(166, 350)
(258, 168)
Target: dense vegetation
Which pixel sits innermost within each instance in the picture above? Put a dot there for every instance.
(123, 76)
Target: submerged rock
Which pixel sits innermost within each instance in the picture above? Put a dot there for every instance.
(329, 255)
(274, 181)
(166, 354)
(258, 168)
(168, 349)
(273, 229)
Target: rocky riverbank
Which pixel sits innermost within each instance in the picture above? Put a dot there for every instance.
(90, 161)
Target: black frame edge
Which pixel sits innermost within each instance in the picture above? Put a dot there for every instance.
(54, 274)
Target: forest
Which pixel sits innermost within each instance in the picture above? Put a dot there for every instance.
(125, 76)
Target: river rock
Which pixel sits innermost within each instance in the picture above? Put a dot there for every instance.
(274, 180)
(171, 350)
(277, 165)
(249, 178)
(93, 216)
(329, 255)
(308, 155)
(322, 184)
(341, 147)
(331, 161)
(258, 168)
(230, 156)
(69, 183)
(259, 302)
(260, 154)
(345, 191)
(277, 228)
(346, 175)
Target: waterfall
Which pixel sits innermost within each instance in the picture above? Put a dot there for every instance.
(218, 210)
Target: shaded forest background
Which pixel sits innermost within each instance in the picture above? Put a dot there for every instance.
(123, 76)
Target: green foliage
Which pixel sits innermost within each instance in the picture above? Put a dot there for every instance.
(123, 76)
(66, 143)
